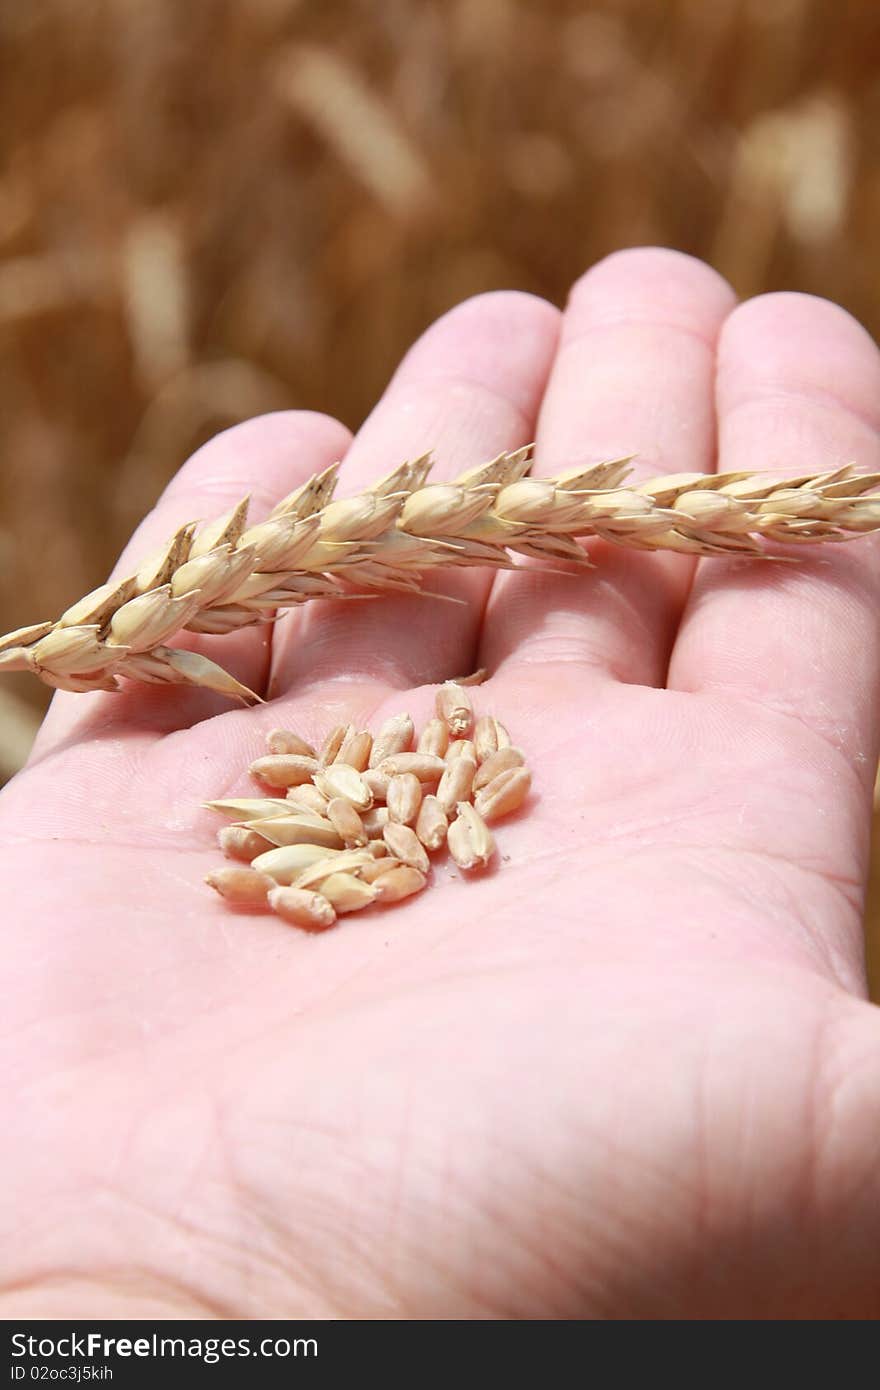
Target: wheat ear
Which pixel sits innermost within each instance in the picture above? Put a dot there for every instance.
(227, 575)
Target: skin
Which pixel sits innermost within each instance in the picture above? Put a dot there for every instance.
(629, 1073)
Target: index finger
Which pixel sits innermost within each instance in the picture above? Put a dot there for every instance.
(264, 457)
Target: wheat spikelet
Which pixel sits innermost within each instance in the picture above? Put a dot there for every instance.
(227, 575)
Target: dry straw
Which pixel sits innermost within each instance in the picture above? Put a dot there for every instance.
(228, 575)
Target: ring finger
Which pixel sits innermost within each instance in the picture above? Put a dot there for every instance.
(634, 374)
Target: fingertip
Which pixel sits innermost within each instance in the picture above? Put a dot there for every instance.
(265, 456)
(792, 309)
(681, 289)
(501, 309)
(788, 342)
(502, 341)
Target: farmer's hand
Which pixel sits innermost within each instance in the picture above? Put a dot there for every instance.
(631, 1073)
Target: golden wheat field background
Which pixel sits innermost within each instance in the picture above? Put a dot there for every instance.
(213, 209)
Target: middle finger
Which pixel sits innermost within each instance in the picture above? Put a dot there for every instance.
(469, 388)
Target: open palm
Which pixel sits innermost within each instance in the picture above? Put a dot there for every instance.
(628, 1073)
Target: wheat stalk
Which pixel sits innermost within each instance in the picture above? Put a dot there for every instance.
(228, 575)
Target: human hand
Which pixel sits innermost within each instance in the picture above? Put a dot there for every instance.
(631, 1072)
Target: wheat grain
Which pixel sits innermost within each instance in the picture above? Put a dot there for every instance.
(505, 793)
(405, 845)
(395, 736)
(481, 837)
(489, 736)
(383, 864)
(299, 829)
(339, 780)
(301, 908)
(287, 862)
(283, 770)
(431, 824)
(485, 738)
(500, 761)
(356, 749)
(434, 738)
(227, 575)
(307, 798)
(470, 841)
(461, 747)
(241, 886)
(404, 798)
(349, 861)
(347, 893)
(249, 808)
(348, 732)
(424, 766)
(399, 883)
(455, 709)
(347, 823)
(457, 782)
(377, 782)
(375, 820)
(332, 744)
(285, 741)
(237, 842)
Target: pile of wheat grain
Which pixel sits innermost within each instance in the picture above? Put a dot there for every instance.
(354, 822)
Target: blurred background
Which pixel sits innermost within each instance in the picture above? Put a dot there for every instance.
(223, 207)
